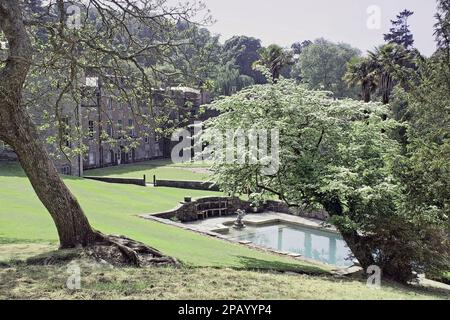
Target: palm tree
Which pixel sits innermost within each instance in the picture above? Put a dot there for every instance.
(391, 63)
(275, 58)
(361, 72)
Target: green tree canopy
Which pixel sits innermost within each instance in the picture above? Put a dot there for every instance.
(336, 155)
(360, 72)
(244, 51)
(400, 33)
(275, 58)
(323, 65)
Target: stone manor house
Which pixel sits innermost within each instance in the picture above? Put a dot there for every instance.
(113, 133)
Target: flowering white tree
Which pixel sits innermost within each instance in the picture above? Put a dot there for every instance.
(335, 155)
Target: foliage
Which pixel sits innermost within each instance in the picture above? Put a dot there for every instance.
(229, 80)
(400, 33)
(337, 155)
(427, 173)
(130, 53)
(442, 27)
(244, 51)
(392, 64)
(275, 58)
(323, 66)
(298, 47)
(360, 72)
(196, 62)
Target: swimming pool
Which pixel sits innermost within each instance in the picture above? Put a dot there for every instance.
(324, 246)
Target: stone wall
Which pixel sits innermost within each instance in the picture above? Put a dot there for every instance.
(138, 182)
(189, 211)
(6, 153)
(279, 206)
(193, 185)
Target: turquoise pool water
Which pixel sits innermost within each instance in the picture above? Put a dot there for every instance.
(323, 246)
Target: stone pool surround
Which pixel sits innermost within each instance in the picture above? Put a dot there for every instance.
(340, 271)
(223, 224)
(188, 211)
(185, 217)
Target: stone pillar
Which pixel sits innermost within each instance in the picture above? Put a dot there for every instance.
(332, 251)
(280, 239)
(308, 244)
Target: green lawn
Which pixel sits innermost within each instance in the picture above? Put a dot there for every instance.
(27, 230)
(112, 209)
(48, 282)
(163, 169)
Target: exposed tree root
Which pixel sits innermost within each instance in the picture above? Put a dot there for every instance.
(120, 250)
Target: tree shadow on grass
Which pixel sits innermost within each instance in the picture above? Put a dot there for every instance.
(9, 240)
(11, 169)
(14, 169)
(123, 169)
(265, 265)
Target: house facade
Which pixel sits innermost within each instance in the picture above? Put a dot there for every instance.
(104, 132)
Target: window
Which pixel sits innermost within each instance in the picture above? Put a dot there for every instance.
(92, 82)
(146, 140)
(119, 125)
(66, 170)
(4, 45)
(130, 128)
(109, 129)
(157, 150)
(91, 158)
(110, 103)
(91, 129)
(65, 124)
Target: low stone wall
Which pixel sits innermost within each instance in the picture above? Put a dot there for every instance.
(138, 182)
(6, 154)
(279, 206)
(193, 185)
(189, 211)
(319, 215)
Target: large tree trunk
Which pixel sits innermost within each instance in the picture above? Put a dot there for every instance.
(17, 129)
(360, 249)
(365, 90)
(386, 87)
(71, 223)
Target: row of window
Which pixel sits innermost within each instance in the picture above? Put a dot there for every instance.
(109, 128)
(91, 130)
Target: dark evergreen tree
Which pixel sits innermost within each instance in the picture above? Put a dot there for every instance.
(244, 51)
(298, 47)
(442, 28)
(400, 33)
